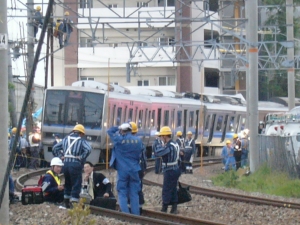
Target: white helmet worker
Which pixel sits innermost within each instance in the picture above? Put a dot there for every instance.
(56, 162)
(125, 127)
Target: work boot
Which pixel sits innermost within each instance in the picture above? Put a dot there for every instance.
(67, 203)
(174, 209)
(164, 208)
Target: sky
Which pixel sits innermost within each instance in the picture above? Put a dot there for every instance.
(17, 29)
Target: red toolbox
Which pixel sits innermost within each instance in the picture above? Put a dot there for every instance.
(32, 195)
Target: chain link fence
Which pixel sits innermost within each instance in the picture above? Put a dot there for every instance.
(280, 153)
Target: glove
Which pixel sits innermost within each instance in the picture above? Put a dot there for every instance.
(125, 126)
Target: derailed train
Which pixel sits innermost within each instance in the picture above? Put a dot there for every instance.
(212, 120)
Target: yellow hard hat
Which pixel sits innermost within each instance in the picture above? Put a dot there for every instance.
(228, 142)
(165, 131)
(134, 128)
(190, 132)
(178, 133)
(79, 128)
(67, 13)
(38, 8)
(14, 130)
(235, 136)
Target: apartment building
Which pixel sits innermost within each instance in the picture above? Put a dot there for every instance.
(162, 43)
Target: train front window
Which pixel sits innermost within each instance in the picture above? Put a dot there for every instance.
(72, 107)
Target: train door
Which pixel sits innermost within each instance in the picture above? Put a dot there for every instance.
(140, 124)
(166, 118)
(172, 122)
(237, 124)
(191, 121)
(224, 128)
(112, 118)
(158, 119)
(211, 127)
(184, 122)
(217, 137)
(118, 118)
(196, 125)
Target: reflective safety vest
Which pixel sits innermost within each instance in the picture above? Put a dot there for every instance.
(56, 178)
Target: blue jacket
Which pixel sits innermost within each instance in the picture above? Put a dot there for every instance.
(225, 154)
(170, 156)
(81, 149)
(51, 189)
(156, 145)
(126, 152)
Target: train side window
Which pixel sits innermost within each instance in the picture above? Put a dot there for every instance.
(231, 124)
(130, 115)
(153, 118)
(191, 122)
(113, 115)
(298, 137)
(135, 115)
(243, 122)
(207, 123)
(219, 123)
(146, 116)
(158, 119)
(119, 117)
(125, 114)
(140, 118)
(166, 117)
(179, 118)
(237, 123)
(172, 117)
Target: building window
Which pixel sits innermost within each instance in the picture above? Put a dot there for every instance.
(166, 81)
(115, 83)
(113, 45)
(142, 4)
(142, 44)
(85, 4)
(86, 42)
(87, 78)
(168, 2)
(112, 5)
(143, 83)
(166, 41)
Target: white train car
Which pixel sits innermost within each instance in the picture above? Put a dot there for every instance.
(98, 106)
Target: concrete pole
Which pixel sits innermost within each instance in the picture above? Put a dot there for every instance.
(4, 210)
(290, 52)
(252, 103)
(30, 59)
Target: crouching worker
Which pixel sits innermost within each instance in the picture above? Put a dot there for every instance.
(98, 187)
(51, 184)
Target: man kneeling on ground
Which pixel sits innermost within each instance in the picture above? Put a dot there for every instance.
(51, 186)
(98, 184)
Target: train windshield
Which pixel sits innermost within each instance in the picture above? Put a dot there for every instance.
(67, 108)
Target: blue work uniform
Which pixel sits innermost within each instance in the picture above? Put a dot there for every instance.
(156, 145)
(75, 150)
(171, 171)
(126, 160)
(245, 151)
(189, 152)
(225, 154)
(51, 181)
(230, 161)
(180, 142)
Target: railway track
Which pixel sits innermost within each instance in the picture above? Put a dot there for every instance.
(154, 217)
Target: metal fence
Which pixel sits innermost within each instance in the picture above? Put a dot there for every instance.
(279, 153)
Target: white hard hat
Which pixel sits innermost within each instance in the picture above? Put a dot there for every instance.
(56, 162)
(125, 126)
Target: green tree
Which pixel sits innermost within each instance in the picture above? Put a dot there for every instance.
(277, 85)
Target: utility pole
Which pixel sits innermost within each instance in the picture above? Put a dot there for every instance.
(11, 94)
(30, 58)
(290, 52)
(4, 209)
(251, 7)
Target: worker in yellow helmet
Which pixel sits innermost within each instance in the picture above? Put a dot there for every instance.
(73, 150)
(68, 27)
(37, 21)
(170, 168)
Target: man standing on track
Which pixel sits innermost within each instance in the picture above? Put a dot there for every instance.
(125, 159)
(73, 150)
(170, 156)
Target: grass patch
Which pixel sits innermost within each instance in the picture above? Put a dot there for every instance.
(263, 180)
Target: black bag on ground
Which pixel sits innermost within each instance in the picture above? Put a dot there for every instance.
(183, 194)
(108, 203)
